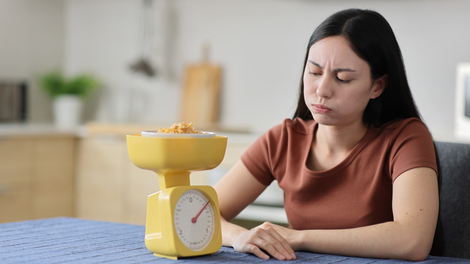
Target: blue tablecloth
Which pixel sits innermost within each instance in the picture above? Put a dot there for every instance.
(71, 240)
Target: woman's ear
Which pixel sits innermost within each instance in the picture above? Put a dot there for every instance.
(379, 86)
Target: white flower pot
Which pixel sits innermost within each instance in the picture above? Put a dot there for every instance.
(67, 110)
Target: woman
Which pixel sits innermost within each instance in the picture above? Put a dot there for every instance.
(357, 165)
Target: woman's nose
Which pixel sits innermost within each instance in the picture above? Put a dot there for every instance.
(324, 89)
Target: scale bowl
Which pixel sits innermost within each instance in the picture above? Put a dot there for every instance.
(153, 133)
(176, 154)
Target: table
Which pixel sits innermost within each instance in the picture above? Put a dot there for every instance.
(72, 240)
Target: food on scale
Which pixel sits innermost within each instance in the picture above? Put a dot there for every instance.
(180, 128)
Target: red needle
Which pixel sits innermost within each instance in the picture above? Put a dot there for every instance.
(194, 219)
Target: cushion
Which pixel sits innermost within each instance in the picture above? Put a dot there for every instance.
(453, 233)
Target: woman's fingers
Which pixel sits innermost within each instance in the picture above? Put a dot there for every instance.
(264, 239)
(258, 252)
(276, 244)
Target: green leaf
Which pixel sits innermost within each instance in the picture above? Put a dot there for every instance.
(54, 83)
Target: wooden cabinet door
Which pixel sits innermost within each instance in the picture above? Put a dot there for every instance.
(36, 177)
(99, 184)
(15, 180)
(52, 176)
(139, 184)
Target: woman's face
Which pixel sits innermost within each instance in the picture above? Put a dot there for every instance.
(338, 83)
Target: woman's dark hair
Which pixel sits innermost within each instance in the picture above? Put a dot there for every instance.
(372, 39)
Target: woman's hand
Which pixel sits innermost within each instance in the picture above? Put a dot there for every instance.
(265, 238)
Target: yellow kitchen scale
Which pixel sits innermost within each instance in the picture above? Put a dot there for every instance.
(183, 220)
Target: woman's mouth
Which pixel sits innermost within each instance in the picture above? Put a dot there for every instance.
(320, 109)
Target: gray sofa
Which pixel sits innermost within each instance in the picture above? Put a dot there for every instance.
(452, 237)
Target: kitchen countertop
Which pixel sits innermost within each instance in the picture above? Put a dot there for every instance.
(236, 136)
(28, 129)
(100, 129)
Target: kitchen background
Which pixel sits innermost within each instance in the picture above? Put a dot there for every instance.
(259, 45)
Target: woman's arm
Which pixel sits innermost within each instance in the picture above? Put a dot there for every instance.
(409, 236)
(236, 190)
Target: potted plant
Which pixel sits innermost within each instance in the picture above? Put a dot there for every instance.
(67, 95)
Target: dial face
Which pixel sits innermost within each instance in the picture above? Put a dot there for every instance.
(194, 220)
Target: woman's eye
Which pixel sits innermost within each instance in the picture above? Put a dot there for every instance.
(341, 80)
(314, 73)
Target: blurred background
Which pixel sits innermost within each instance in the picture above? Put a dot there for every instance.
(258, 44)
(142, 52)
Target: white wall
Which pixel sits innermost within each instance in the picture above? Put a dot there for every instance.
(31, 42)
(260, 45)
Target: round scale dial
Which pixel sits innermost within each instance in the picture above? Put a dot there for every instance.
(194, 220)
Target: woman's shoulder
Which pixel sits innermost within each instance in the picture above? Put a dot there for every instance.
(403, 129)
(404, 124)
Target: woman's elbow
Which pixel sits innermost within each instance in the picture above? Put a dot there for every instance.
(416, 249)
(417, 255)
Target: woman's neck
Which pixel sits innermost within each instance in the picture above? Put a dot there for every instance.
(339, 139)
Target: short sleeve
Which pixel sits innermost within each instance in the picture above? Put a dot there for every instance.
(257, 158)
(412, 148)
